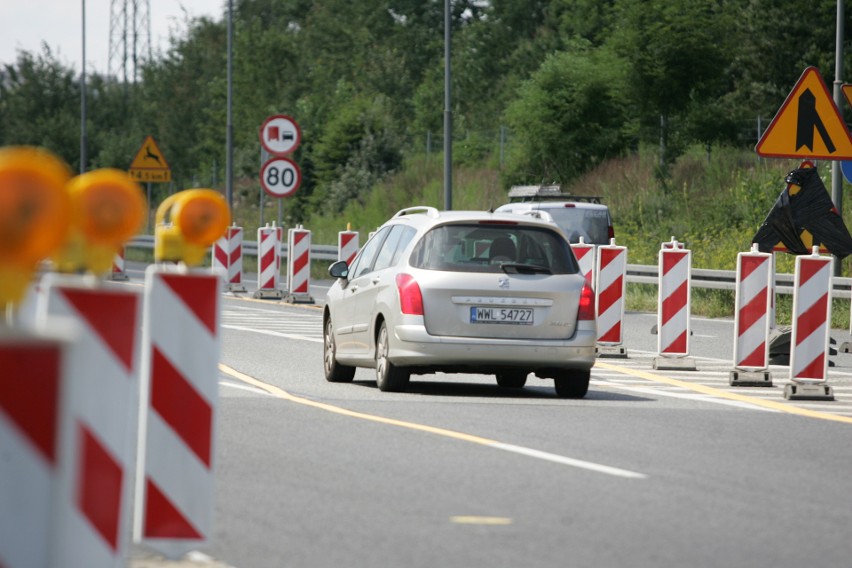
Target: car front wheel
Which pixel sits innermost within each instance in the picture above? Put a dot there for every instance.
(512, 380)
(389, 377)
(334, 371)
(572, 384)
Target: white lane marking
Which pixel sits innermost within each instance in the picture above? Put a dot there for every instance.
(244, 387)
(555, 458)
(273, 333)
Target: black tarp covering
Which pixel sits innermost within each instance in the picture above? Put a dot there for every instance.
(809, 209)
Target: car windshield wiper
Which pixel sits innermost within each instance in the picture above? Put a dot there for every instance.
(519, 268)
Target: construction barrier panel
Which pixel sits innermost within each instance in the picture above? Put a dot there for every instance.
(347, 246)
(228, 257)
(269, 262)
(811, 334)
(32, 387)
(119, 271)
(611, 270)
(673, 308)
(180, 358)
(752, 305)
(99, 431)
(299, 265)
(585, 254)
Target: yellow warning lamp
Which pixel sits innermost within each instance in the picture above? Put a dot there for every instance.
(188, 223)
(34, 214)
(107, 208)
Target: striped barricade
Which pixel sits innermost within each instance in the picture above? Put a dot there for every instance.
(228, 257)
(751, 319)
(673, 308)
(100, 428)
(347, 246)
(585, 254)
(32, 387)
(269, 262)
(119, 270)
(180, 358)
(611, 270)
(299, 265)
(811, 334)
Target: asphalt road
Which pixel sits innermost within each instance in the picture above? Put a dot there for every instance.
(651, 469)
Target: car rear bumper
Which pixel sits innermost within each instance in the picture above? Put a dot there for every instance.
(413, 346)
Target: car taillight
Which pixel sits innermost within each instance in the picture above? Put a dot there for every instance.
(410, 298)
(610, 232)
(587, 304)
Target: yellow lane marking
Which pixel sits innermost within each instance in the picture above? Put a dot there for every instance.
(473, 520)
(520, 450)
(712, 391)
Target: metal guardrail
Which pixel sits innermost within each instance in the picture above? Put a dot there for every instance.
(636, 273)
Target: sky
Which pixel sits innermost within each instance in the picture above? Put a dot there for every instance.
(25, 24)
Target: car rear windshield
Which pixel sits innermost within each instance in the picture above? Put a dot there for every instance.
(494, 248)
(591, 224)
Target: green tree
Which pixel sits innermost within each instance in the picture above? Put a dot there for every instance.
(568, 117)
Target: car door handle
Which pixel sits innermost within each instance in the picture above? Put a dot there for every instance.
(376, 280)
(353, 289)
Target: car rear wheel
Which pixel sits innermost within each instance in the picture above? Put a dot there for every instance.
(334, 371)
(389, 377)
(512, 379)
(572, 384)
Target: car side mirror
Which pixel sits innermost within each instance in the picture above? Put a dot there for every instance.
(339, 269)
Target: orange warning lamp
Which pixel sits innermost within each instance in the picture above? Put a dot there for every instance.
(196, 219)
(34, 214)
(107, 208)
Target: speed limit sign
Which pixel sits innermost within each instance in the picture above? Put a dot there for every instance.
(280, 177)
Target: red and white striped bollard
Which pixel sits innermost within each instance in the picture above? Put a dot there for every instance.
(752, 307)
(673, 308)
(585, 254)
(228, 257)
(268, 262)
(811, 334)
(299, 265)
(180, 375)
(611, 270)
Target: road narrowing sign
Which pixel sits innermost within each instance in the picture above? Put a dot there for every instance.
(808, 125)
(150, 165)
(280, 177)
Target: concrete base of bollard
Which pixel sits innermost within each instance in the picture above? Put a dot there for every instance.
(299, 299)
(738, 378)
(268, 294)
(808, 391)
(674, 364)
(846, 347)
(611, 352)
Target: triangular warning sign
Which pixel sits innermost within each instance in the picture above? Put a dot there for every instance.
(149, 157)
(847, 92)
(808, 124)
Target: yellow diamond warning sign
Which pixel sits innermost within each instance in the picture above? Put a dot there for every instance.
(150, 165)
(808, 124)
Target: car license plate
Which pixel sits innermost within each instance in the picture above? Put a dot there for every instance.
(521, 316)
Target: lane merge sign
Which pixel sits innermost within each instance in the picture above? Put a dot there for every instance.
(280, 177)
(150, 164)
(808, 125)
(280, 135)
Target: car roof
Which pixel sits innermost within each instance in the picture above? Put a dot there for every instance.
(528, 205)
(429, 216)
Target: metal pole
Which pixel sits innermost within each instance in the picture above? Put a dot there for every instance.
(448, 116)
(836, 177)
(229, 154)
(83, 134)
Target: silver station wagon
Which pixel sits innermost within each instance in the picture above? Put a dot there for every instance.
(462, 292)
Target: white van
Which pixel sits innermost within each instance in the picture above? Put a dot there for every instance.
(578, 215)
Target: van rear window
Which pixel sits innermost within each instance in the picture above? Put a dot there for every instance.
(484, 248)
